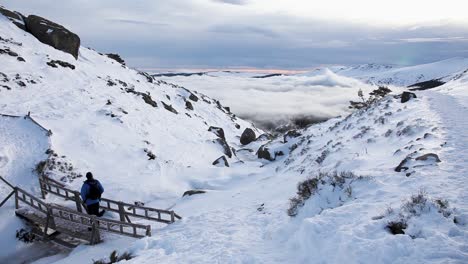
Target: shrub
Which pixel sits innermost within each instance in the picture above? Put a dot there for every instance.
(114, 257)
(310, 187)
(397, 227)
(25, 236)
(40, 167)
(374, 96)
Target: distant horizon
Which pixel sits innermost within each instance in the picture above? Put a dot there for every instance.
(246, 69)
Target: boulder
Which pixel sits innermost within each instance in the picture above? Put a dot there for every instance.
(217, 131)
(403, 165)
(264, 153)
(429, 156)
(193, 192)
(169, 108)
(227, 150)
(221, 162)
(17, 18)
(116, 57)
(188, 105)
(291, 134)
(247, 136)
(406, 96)
(53, 34)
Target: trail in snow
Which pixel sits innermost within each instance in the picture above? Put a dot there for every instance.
(454, 117)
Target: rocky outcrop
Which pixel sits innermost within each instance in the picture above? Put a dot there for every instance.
(264, 153)
(188, 105)
(53, 34)
(406, 96)
(429, 156)
(291, 134)
(17, 18)
(217, 131)
(403, 165)
(226, 149)
(247, 136)
(221, 162)
(116, 57)
(169, 108)
(193, 192)
(56, 63)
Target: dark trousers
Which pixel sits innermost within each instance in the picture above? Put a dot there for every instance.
(93, 209)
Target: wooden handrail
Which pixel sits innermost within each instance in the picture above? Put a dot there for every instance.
(59, 212)
(111, 205)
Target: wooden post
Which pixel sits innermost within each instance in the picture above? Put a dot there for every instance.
(49, 221)
(172, 217)
(148, 230)
(78, 202)
(16, 199)
(95, 237)
(121, 212)
(41, 184)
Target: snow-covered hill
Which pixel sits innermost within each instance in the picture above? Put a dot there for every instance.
(397, 75)
(385, 184)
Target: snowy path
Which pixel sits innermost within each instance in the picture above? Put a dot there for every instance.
(454, 122)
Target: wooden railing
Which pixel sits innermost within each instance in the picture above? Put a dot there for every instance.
(68, 217)
(125, 210)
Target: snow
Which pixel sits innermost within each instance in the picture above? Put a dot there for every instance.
(397, 75)
(242, 217)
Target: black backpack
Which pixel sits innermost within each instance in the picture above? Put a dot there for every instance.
(94, 191)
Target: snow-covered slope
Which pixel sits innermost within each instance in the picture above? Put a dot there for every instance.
(100, 124)
(108, 119)
(347, 216)
(399, 76)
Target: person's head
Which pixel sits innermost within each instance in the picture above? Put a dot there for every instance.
(89, 175)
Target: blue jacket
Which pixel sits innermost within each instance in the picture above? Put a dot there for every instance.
(85, 192)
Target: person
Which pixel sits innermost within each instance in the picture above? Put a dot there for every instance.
(91, 192)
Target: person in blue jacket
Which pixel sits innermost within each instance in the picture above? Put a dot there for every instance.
(91, 192)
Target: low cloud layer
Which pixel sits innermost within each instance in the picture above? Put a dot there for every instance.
(277, 100)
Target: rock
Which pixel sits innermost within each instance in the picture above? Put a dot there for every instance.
(402, 166)
(193, 97)
(169, 108)
(432, 156)
(54, 63)
(237, 126)
(406, 96)
(116, 57)
(264, 153)
(217, 131)
(221, 162)
(227, 150)
(247, 136)
(17, 18)
(291, 134)
(53, 34)
(188, 105)
(21, 59)
(193, 192)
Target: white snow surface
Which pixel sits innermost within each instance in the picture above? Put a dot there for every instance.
(397, 75)
(242, 218)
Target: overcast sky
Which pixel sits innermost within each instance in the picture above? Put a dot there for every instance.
(286, 34)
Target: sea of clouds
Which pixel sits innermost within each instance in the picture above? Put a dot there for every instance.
(274, 101)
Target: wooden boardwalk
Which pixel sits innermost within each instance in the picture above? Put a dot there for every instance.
(52, 221)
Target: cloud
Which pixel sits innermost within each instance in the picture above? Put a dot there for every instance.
(136, 22)
(189, 33)
(232, 2)
(277, 100)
